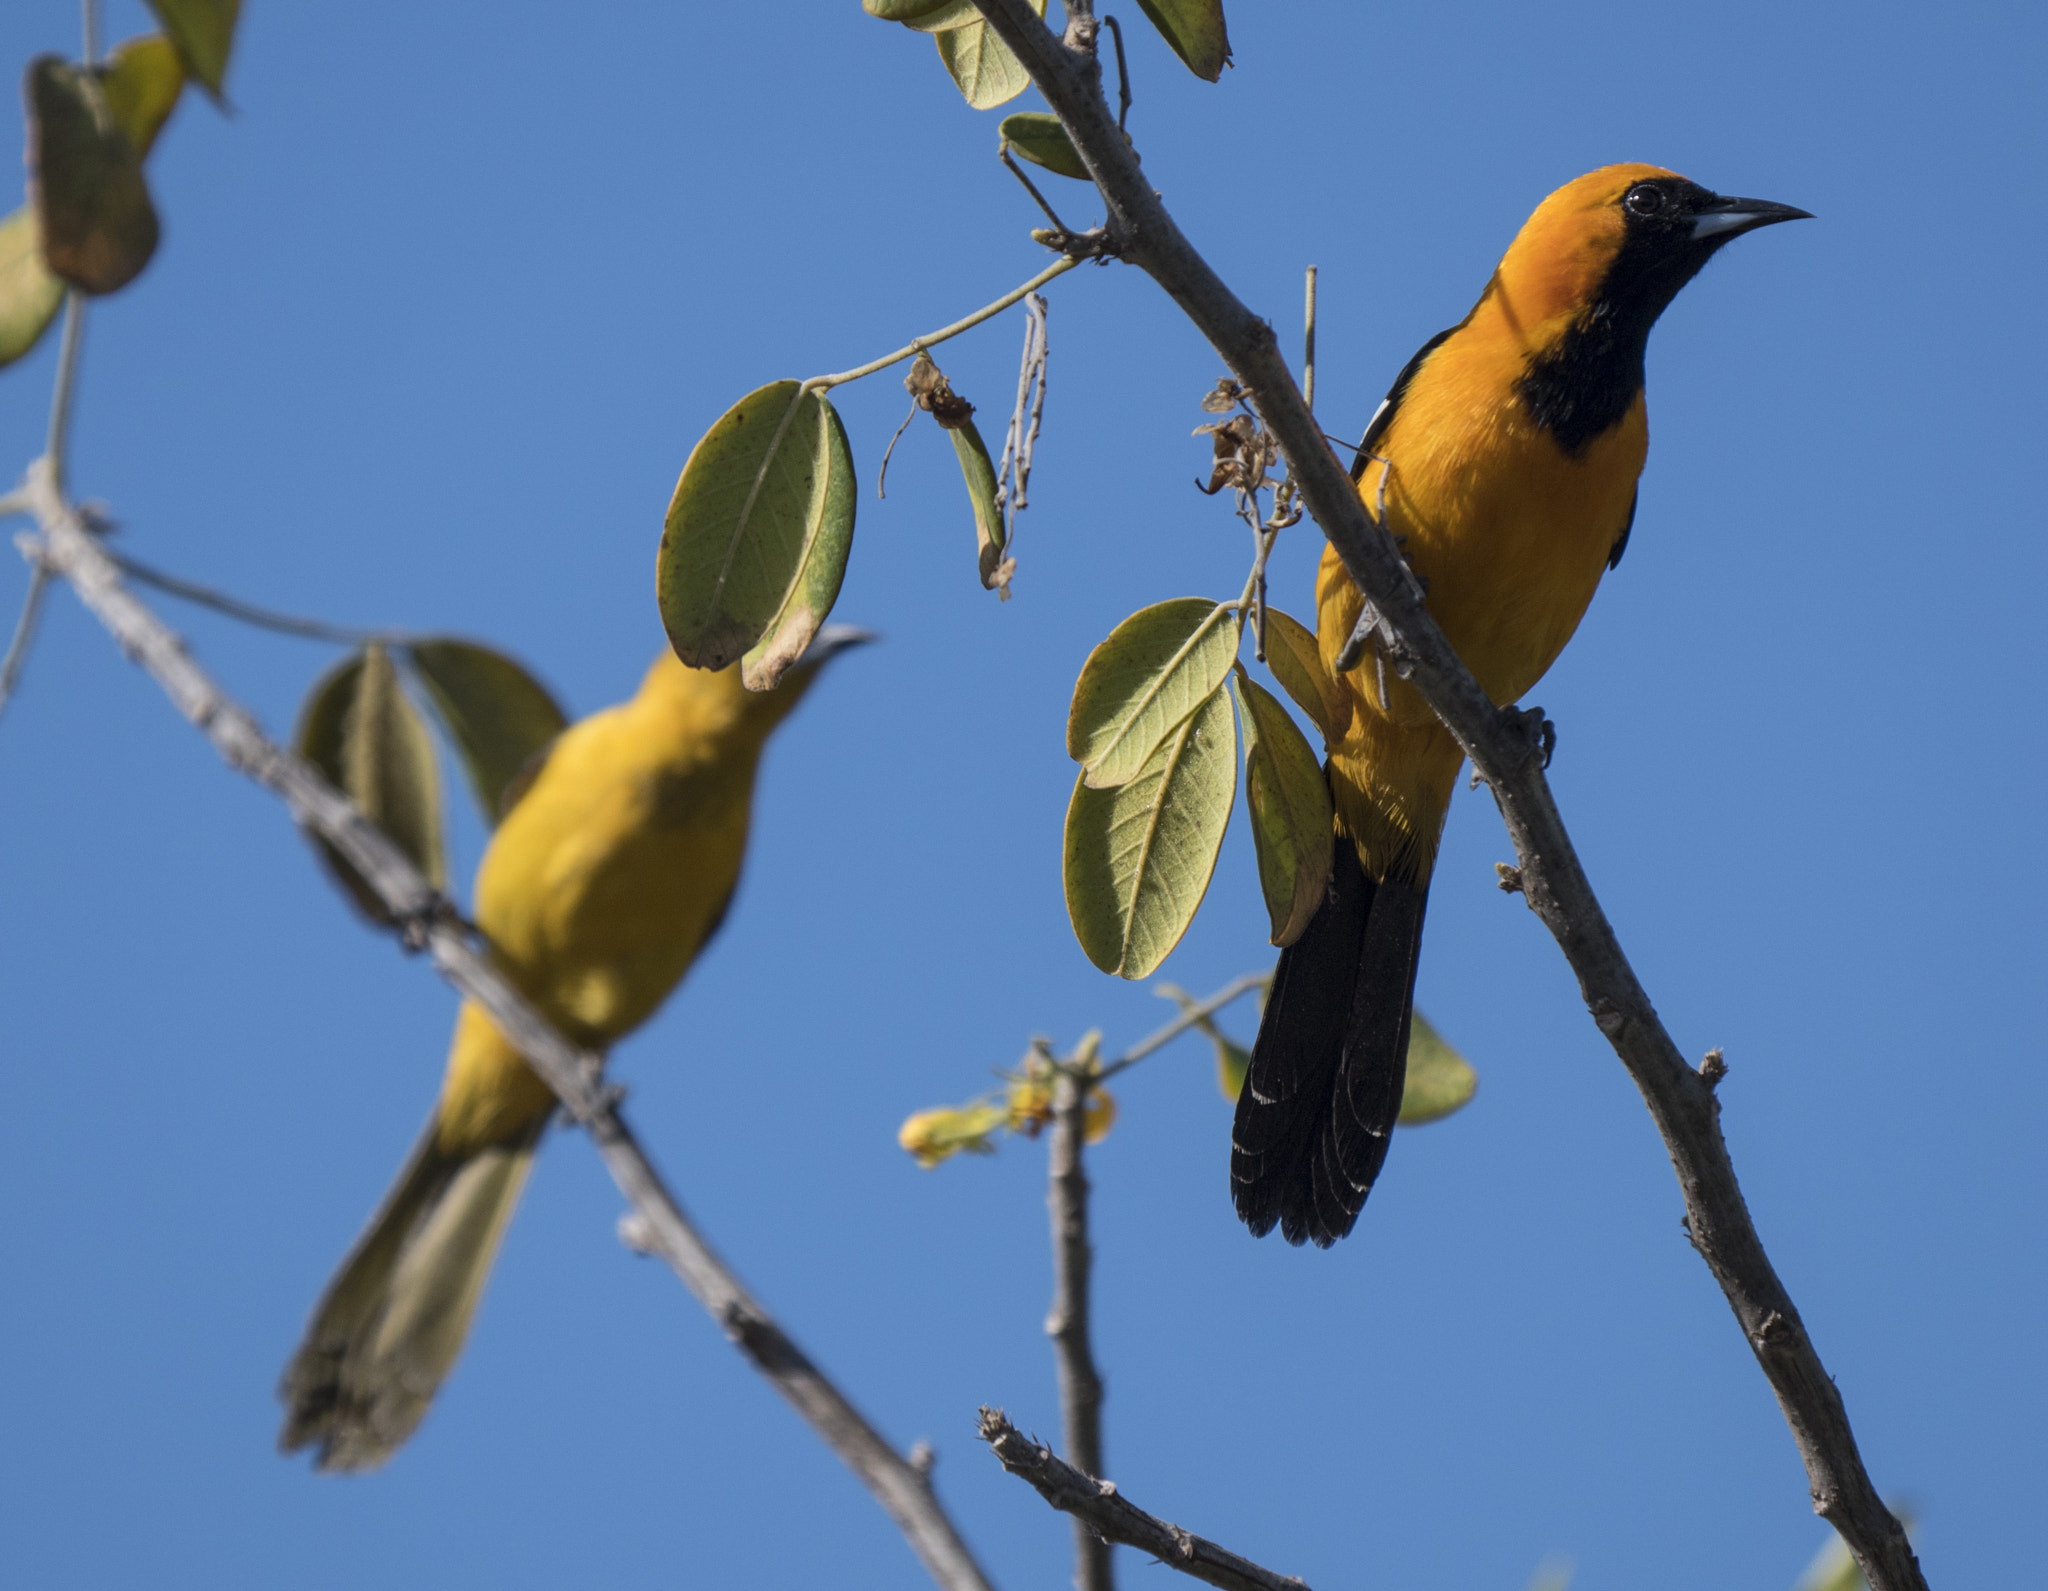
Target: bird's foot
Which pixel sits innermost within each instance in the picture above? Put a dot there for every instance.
(1537, 733)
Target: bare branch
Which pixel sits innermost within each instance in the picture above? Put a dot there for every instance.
(24, 630)
(1681, 1102)
(1068, 1321)
(1193, 1016)
(1096, 1505)
(658, 1224)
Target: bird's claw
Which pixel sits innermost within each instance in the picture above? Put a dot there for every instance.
(1537, 733)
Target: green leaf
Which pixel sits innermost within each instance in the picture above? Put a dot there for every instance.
(358, 729)
(942, 19)
(204, 33)
(1292, 655)
(1440, 1080)
(755, 543)
(498, 715)
(1233, 1060)
(1040, 139)
(85, 181)
(991, 537)
(910, 11)
(1155, 668)
(29, 294)
(142, 80)
(1139, 858)
(1293, 826)
(987, 73)
(1195, 30)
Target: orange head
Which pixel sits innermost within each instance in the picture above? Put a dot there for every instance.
(1590, 272)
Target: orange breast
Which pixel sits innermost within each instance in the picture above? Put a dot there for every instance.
(1512, 536)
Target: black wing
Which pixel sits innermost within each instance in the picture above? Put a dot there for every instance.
(1621, 542)
(1383, 416)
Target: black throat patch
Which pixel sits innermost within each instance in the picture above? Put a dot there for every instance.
(1584, 386)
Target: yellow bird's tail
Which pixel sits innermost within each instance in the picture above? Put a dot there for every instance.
(392, 1321)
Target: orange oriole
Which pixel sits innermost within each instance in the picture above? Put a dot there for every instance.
(1504, 462)
(608, 875)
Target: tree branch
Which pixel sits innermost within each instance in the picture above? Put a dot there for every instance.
(657, 1223)
(1501, 747)
(1097, 1507)
(1067, 1323)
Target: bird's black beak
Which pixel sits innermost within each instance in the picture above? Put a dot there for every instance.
(833, 639)
(1724, 218)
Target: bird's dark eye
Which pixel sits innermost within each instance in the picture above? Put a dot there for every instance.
(1644, 199)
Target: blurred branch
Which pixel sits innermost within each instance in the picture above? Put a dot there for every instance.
(1096, 1506)
(24, 630)
(1193, 1017)
(249, 612)
(657, 1223)
(1067, 1323)
(1503, 745)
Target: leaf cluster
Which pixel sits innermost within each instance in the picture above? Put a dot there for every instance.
(362, 729)
(89, 222)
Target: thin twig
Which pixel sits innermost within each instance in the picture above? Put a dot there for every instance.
(1123, 72)
(64, 394)
(1020, 439)
(1501, 747)
(575, 1075)
(1067, 1323)
(1030, 187)
(1193, 1016)
(1098, 1505)
(250, 613)
(1043, 314)
(882, 474)
(24, 630)
(1308, 352)
(933, 339)
(91, 30)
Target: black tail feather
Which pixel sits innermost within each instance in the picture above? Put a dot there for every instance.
(1327, 1069)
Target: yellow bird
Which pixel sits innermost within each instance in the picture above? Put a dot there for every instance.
(609, 874)
(1504, 462)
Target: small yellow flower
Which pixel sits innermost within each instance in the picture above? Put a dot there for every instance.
(936, 1135)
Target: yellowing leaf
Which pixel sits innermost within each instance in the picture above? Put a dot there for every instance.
(1138, 858)
(85, 181)
(1155, 668)
(909, 11)
(1099, 1117)
(1040, 139)
(498, 715)
(936, 1135)
(944, 17)
(1293, 826)
(204, 33)
(990, 535)
(1440, 1080)
(358, 729)
(142, 80)
(1292, 655)
(29, 294)
(755, 543)
(1195, 30)
(981, 64)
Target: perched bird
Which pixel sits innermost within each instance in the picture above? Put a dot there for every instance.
(1504, 463)
(610, 872)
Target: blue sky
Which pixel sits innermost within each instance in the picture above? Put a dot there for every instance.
(439, 313)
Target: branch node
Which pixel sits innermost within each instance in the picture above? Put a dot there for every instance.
(924, 1458)
(636, 1232)
(1713, 1068)
(1609, 1018)
(1509, 877)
